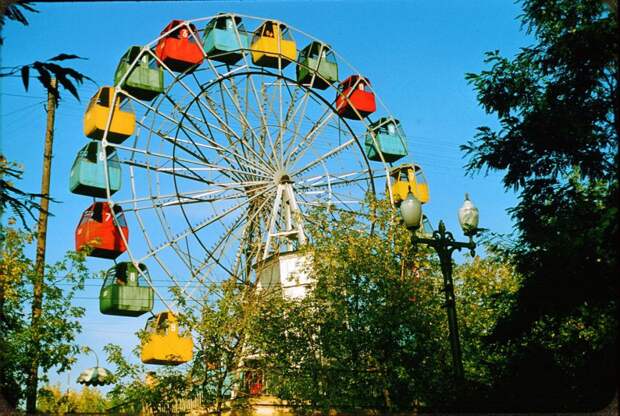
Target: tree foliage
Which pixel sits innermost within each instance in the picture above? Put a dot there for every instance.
(557, 104)
(219, 329)
(22, 204)
(67, 77)
(371, 333)
(135, 389)
(52, 400)
(485, 292)
(14, 10)
(59, 322)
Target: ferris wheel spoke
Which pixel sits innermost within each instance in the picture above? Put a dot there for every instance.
(340, 205)
(307, 140)
(165, 197)
(302, 106)
(200, 165)
(194, 229)
(203, 268)
(242, 115)
(241, 118)
(239, 138)
(324, 157)
(240, 160)
(341, 179)
(290, 111)
(214, 196)
(222, 151)
(227, 128)
(216, 252)
(261, 110)
(246, 236)
(147, 167)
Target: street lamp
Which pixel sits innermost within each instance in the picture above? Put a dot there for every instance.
(444, 244)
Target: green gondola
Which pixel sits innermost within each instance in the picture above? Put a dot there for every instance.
(146, 80)
(317, 64)
(124, 291)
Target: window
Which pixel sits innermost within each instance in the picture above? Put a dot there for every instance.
(91, 152)
(151, 325)
(132, 54)
(110, 277)
(162, 324)
(402, 176)
(120, 274)
(419, 175)
(391, 129)
(329, 55)
(313, 52)
(192, 36)
(268, 30)
(285, 34)
(119, 217)
(224, 23)
(86, 216)
(97, 214)
(104, 97)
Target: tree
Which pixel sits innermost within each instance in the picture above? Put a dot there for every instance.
(485, 291)
(54, 401)
(17, 202)
(60, 320)
(136, 389)
(557, 103)
(370, 334)
(220, 328)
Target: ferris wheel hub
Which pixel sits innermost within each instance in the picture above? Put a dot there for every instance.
(283, 178)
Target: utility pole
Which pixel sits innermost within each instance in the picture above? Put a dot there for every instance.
(39, 277)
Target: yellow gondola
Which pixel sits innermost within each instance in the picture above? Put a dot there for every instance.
(96, 118)
(166, 344)
(272, 45)
(409, 178)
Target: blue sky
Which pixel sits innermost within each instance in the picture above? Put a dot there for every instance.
(415, 52)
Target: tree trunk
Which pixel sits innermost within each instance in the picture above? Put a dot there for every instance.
(39, 277)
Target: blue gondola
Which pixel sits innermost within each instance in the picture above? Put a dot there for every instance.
(390, 138)
(88, 171)
(225, 38)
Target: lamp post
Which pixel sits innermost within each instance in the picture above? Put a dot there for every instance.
(444, 244)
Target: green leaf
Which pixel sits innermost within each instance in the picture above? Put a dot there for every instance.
(64, 56)
(68, 85)
(25, 71)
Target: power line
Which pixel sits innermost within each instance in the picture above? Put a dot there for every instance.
(22, 95)
(23, 108)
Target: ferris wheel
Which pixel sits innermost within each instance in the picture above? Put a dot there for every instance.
(217, 139)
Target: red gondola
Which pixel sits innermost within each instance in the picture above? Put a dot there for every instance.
(98, 228)
(180, 49)
(352, 96)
